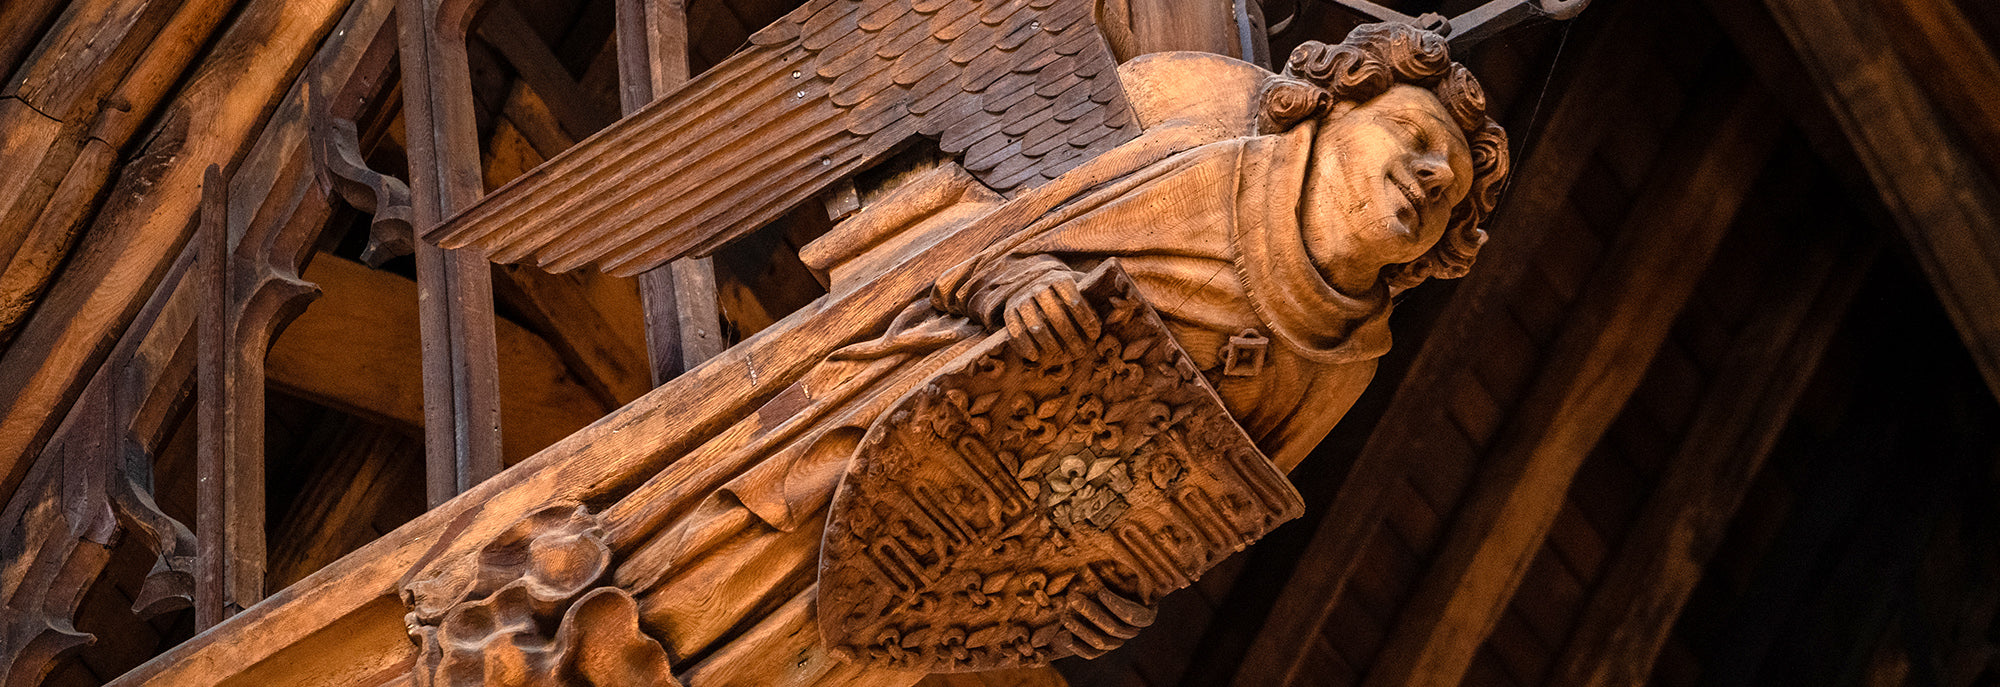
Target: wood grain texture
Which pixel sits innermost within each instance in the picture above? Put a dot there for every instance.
(1598, 361)
(1940, 197)
(462, 433)
(102, 68)
(1023, 90)
(1638, 598)
(135, 235)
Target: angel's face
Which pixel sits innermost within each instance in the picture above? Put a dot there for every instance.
(1384, 179)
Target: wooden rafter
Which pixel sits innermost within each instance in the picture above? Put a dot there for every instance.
(135, 234)
(1599, 359)
(1633, 609)
(503, 27)
(1938, 193)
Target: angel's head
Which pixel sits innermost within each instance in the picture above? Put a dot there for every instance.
(1405, 162)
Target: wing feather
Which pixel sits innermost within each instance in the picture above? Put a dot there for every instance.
(1022, 89)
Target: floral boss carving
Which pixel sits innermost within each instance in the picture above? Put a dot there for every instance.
(532, 608)
(1012, 511)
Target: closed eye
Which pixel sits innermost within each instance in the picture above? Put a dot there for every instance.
(1418, 136)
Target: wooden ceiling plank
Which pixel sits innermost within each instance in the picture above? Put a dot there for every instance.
(1632, 611)
(1622, 319)
(1937, 192)
(1542, 188)
(683, 316)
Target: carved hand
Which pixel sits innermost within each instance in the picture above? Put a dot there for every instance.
(1050, 320)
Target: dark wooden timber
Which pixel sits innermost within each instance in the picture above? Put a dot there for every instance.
(455, 288)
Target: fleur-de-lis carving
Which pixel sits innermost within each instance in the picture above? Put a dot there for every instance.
(1088, 423)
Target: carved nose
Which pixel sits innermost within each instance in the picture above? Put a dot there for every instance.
(1432, 174)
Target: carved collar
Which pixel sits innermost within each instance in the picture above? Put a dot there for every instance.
(1287, 291)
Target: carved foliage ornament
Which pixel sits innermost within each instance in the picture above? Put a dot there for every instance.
(533, 608)
(1013, 512)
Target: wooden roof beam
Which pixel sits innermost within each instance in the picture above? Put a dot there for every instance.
(1620, 322)
(136, 235)
(1941, 198)
(503, 27)
(358, 349)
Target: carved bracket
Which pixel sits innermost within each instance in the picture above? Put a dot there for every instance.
(533, 607)
(336, 148)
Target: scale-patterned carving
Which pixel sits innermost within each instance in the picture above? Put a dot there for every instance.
(1010, 513)
(1026, 89)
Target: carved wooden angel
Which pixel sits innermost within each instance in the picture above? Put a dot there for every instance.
(1111, 373)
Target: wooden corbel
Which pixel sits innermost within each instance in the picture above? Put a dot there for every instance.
(89, 492)
(336, 146)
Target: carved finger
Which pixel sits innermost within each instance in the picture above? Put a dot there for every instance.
(1056, 314)
(1018, 338)
(1080, 310)
(1038, 331)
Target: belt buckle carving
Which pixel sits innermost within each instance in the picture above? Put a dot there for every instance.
(1244, 355)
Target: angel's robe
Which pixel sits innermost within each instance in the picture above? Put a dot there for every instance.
(1213, 239)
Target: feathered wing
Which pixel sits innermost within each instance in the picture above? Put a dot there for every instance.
(1022, 89)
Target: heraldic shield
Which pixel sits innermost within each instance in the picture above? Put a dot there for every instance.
(1010, 512)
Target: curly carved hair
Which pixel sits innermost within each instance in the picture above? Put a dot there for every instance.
(1373, 58)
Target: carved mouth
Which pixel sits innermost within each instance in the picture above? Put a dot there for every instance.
(1412, 200)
